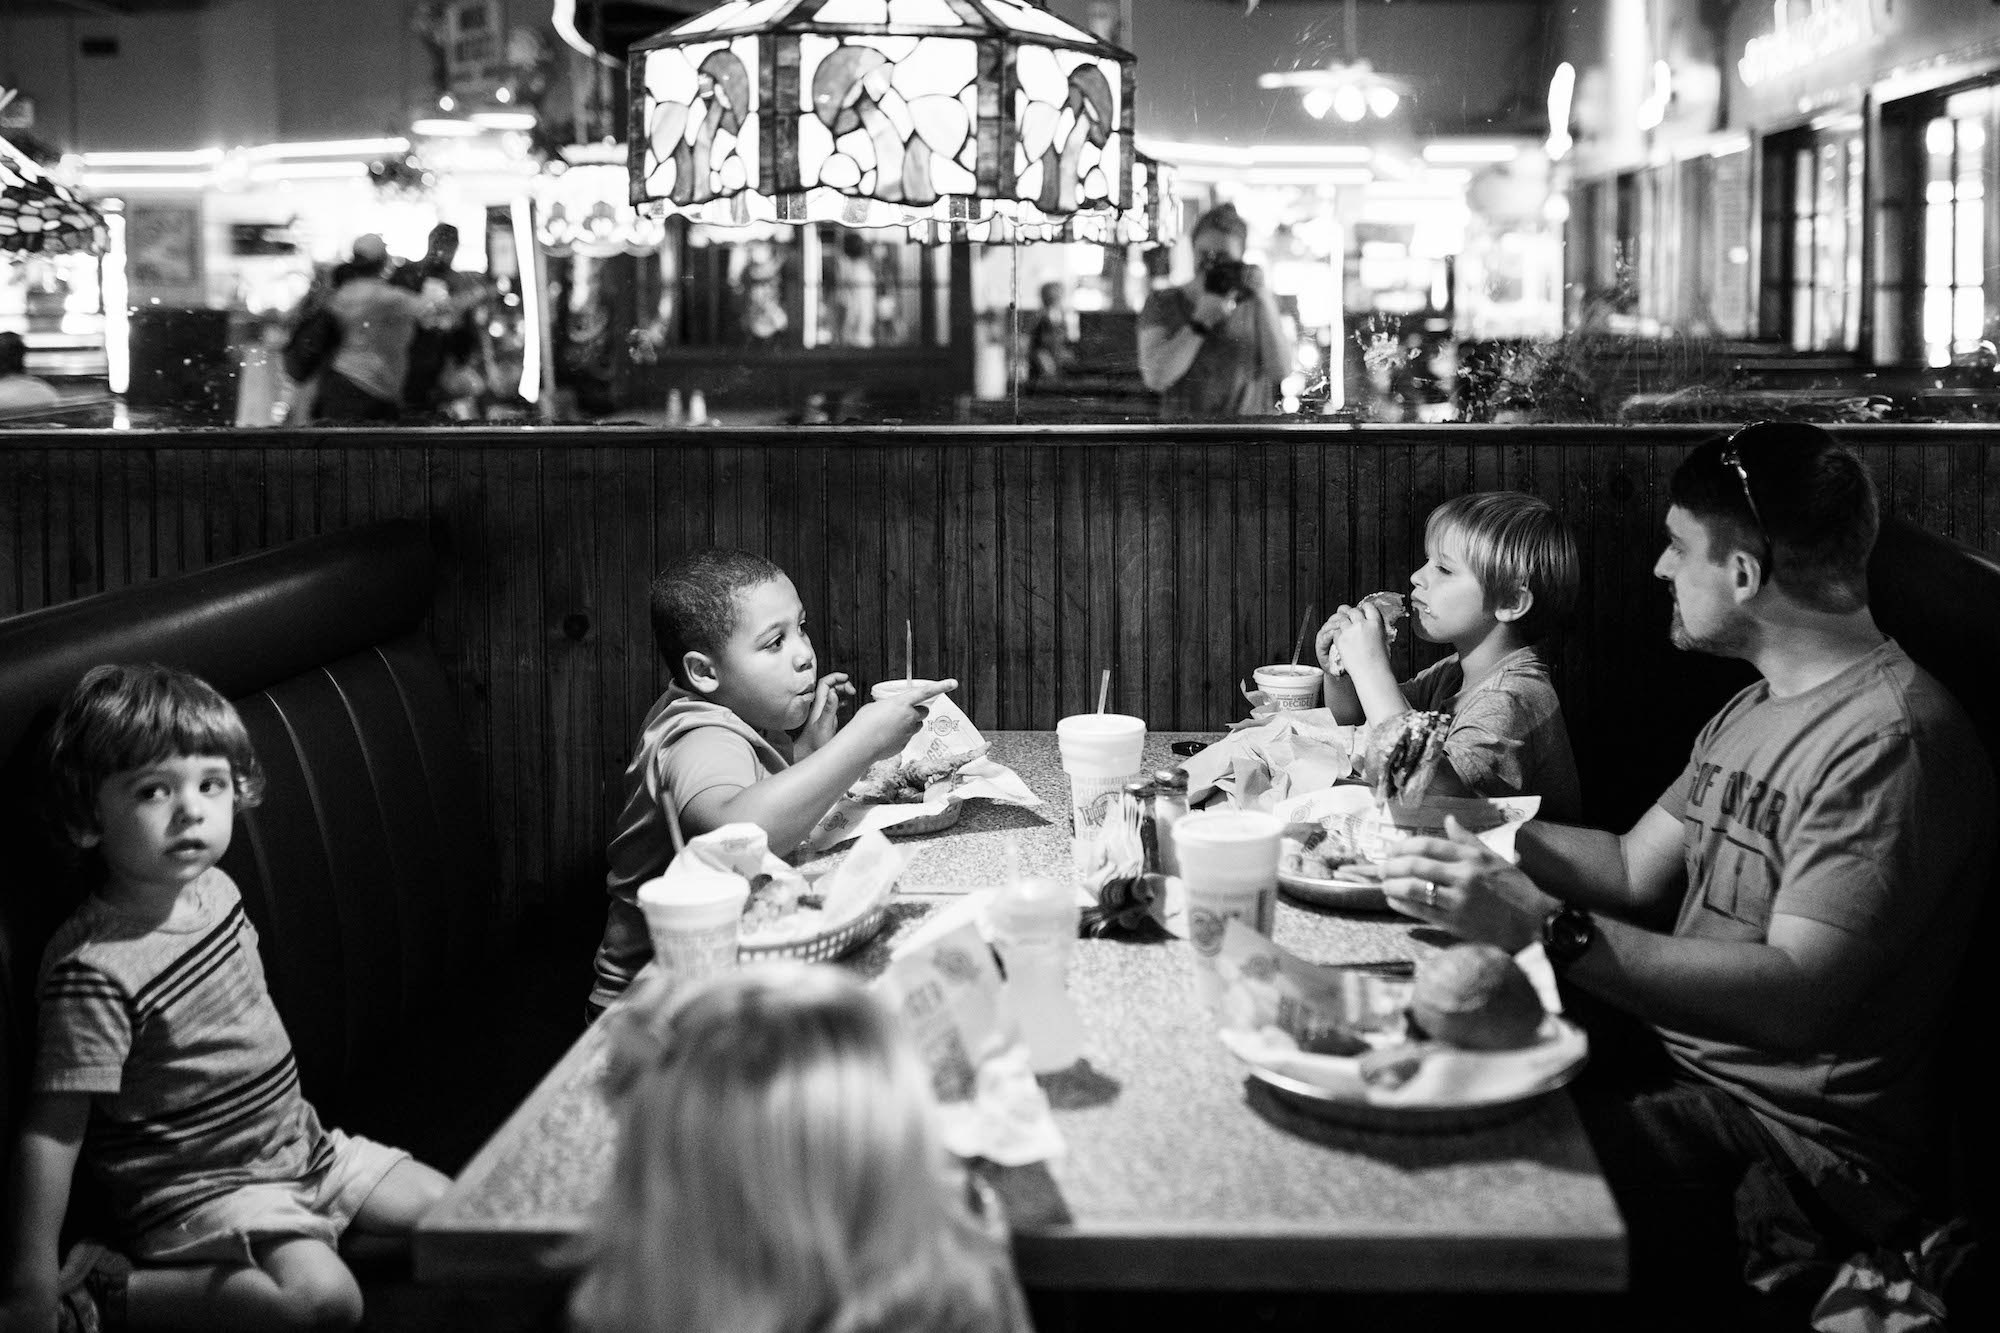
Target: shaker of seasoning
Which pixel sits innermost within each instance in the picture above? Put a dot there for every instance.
(1138, 794)
(1170, 802)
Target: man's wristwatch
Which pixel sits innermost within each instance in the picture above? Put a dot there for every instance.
(1201, 330)
(1567, 934)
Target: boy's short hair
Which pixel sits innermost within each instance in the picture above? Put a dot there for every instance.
(1815, 508)
(694, 602)
(1513, 540)
(121, 717)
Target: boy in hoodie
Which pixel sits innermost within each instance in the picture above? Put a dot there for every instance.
(747, 732)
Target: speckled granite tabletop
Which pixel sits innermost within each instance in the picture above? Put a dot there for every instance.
(1180, 1171)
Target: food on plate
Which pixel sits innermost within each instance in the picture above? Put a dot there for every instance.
(1328, 850)
(772, 899)
(1476, 997)
(901, 782)
(1390, 604)
(1401, 754)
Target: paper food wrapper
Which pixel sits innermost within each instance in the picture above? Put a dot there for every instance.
(1375, 828)
(1272, 759)
(948, 991)
(947, 733)
(1275, 1003)
(780, 911)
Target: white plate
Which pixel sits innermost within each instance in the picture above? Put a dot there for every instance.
(1347, 895)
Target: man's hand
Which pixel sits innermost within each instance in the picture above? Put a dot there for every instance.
(1461, 884)
(886, 725)
(825, 718)
(1212, 310)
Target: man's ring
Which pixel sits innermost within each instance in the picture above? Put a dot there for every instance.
(1430, 894)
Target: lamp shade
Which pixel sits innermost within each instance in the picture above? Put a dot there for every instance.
(879, 113)
(1153, 217)
(38, 214)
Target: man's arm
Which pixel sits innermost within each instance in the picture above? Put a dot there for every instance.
(38, 1186)
(1638, 876)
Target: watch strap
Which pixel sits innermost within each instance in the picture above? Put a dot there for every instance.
(1201, 330)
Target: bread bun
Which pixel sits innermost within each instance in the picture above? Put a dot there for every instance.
(1476, 997)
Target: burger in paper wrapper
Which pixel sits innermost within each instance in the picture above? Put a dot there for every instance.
(1477, 998)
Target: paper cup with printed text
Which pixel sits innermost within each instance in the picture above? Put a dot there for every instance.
(693, 917)
(1101, 752)
(1229, 868)
(1291, 689)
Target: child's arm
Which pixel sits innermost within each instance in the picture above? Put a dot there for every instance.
(1368, 692)
(39, 1176)
(786, 805)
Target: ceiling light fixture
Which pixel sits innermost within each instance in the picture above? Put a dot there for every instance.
(1350, 88)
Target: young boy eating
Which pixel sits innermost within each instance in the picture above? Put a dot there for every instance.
(162, 1063)
(747, 732)
(1500, 572)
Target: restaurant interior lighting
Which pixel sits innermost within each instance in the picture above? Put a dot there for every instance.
(1445, 153)
(1350, 88)
(1562, 87)
(445, 127)
(880, 113)
(504, 120)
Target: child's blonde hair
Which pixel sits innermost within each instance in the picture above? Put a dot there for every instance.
(779, 1171)
(1513, 540)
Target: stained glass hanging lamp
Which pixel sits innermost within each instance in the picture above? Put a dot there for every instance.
(40, 215)
(880, 113)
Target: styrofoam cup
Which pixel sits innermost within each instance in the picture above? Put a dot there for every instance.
(1229, 868)
(693, 917)
(889, 689)
(1291, 689)
(1101, 752)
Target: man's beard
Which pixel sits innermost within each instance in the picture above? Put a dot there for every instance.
(1730, 639)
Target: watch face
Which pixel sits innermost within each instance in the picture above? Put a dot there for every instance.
(1568, 933)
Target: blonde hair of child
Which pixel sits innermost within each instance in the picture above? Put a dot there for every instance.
(1514, 540)
(779, 1171)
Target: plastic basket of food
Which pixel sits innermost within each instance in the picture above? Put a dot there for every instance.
(783, 939)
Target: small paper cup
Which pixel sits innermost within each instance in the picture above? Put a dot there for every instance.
(889, 689)
(1101, 752)
(694, 920)
(1229, 868)
(1291, 689)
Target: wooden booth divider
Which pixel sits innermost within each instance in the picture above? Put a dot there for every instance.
(1027, 560)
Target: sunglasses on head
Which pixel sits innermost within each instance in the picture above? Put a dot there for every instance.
(1732, 458)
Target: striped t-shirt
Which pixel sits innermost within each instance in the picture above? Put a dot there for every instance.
(172, 1031)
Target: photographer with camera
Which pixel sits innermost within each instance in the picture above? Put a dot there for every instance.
(1213, 347)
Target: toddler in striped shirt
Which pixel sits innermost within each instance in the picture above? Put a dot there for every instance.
(162, 1064)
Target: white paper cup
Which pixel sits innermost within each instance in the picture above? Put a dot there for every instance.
(693, 919)
(889, 689)
(1229, 868)
(1101, 752)
(1291, 689)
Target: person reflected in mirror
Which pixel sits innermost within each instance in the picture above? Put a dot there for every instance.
(445, 351)
(780, 1169)
(1050, 358)
(854, 291)
(1214, 347)
(378, 321)
(18, 389)
(1766, 958)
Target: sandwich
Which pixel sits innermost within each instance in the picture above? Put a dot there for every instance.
(1390, 604)
(1401, 754)
(1476, 997)
(900, 781)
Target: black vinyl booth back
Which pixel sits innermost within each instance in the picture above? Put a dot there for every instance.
(365, 870)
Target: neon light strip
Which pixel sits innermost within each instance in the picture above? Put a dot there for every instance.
(200, 157)
(117, 324)
(330, 148)
(531, 300)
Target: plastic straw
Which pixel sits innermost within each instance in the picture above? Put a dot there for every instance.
(1299, 647)
(909, 653)
(1104, 689)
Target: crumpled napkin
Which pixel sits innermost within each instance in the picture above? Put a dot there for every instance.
(861, 882)
(947, 732)
(1392, 1072)
(1267, 760)
(1895, 1291)
(948, 992)
(741, 849)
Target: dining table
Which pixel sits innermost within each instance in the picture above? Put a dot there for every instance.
(1179, 1170)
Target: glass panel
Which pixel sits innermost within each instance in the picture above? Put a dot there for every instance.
(1937, 325)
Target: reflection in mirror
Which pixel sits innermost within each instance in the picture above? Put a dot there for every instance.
(1450, 210)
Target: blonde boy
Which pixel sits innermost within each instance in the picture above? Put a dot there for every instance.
(1500, 573)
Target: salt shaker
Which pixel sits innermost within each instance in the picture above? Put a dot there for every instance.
(1170, 802)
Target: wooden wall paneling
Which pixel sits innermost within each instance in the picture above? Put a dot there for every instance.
(1179, 532)
(24, 507)
(14, 500)
(985, 639)
(1260, 616)
(1106, 568)
(923, 554)
(852, 588)
(572, 531)
(72, 524)
(1968, 487)
(1303, 533)
(952, 598)
(1142, 538)
(172, 513)
(880, 597)
(1365, 559)
(121, 473)
(462, 618)
(622, 621)
(1041, 575)
(1081, 595)
(521, 704)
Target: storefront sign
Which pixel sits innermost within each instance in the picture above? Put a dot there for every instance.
(1804, 33)
(475, 45)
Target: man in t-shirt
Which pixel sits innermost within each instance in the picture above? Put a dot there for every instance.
(1785, 922)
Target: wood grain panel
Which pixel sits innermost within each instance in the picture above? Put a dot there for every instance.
(1028, 561)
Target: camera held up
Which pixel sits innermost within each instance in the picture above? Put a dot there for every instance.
(1225, 278)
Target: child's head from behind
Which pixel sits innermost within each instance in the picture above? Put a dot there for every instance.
(1495, 556)
(148, 765)
(778, 1167)
(732, 631)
